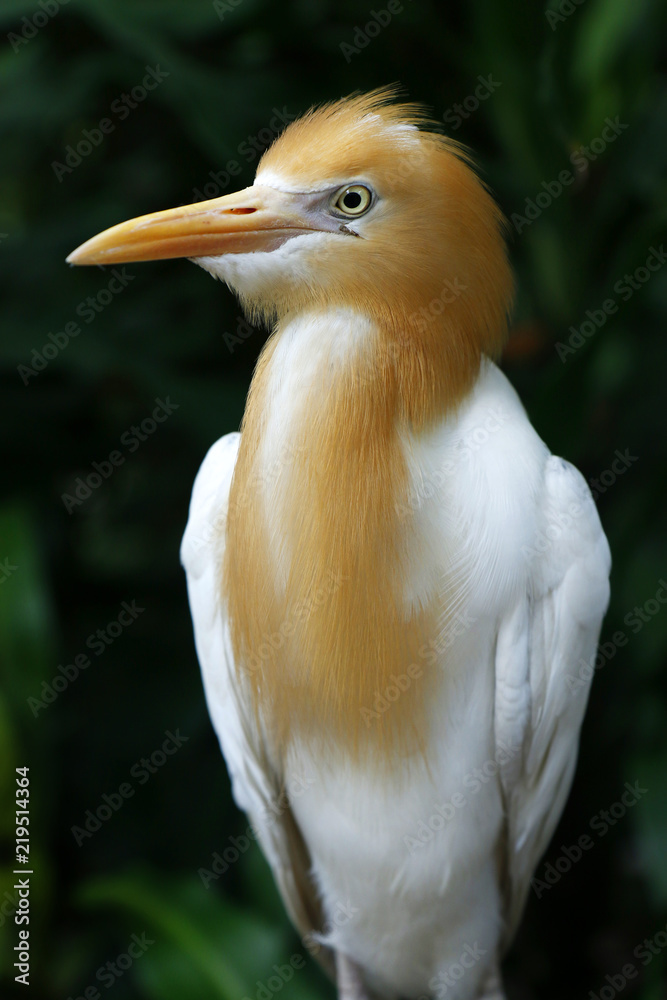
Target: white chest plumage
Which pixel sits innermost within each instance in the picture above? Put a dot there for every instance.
(309, 353)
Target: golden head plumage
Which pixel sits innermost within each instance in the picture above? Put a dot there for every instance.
(431, 265)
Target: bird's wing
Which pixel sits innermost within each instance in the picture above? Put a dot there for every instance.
(542, 685)
(256, 785)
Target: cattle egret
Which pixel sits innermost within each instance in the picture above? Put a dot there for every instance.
(392, 580)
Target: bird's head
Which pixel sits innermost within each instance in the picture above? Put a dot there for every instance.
(356, 205)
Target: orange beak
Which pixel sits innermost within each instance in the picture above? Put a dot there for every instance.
(256, 219)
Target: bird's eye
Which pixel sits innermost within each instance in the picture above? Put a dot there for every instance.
(354, 200)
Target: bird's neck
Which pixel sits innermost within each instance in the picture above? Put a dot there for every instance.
(319, 548)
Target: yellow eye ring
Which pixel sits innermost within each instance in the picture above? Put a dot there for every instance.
(353, 200)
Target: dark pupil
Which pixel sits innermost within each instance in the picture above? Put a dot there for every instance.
(352, 199)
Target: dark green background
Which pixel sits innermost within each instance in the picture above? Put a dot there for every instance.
(164, 336)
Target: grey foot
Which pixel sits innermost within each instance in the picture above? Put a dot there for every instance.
(348, 978)
(492, 987)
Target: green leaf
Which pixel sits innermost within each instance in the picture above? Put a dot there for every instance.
(216, 945)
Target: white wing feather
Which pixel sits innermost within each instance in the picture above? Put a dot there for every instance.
(541, 686)
(256, 787)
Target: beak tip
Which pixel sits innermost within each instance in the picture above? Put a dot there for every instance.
(85, 255)
(77, 257)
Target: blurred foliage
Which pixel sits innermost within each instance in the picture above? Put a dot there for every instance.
(559, 72)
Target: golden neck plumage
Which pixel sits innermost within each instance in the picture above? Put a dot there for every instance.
(321, 642)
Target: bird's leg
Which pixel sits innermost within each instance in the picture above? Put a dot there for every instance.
(348, 978)
(492, 987)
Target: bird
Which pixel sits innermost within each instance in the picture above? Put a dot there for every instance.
(392, 580)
